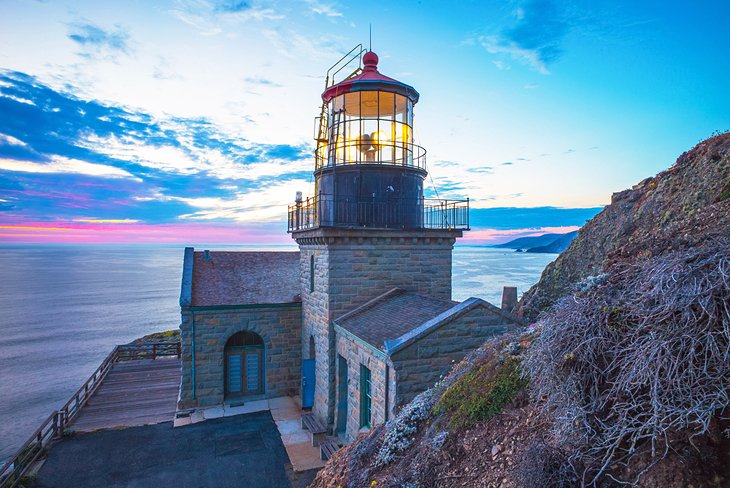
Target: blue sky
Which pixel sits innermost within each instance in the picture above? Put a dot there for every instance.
(191, 120)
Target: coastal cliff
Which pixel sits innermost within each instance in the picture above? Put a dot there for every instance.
(623, 381)
(676, 209)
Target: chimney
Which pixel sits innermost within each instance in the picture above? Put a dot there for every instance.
(509, 298)
(206, 255)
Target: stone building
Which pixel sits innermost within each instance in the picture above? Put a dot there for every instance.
(401, 343)
(241, 327)
(361, 318)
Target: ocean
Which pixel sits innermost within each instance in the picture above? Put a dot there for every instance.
(64, 307)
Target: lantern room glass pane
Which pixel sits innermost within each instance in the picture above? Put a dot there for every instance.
(369, 104)
(352, 104)
(402, 105)
(386, 109)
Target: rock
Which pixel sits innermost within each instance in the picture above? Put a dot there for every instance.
(496, 449)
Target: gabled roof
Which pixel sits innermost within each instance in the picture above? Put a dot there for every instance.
(391, 316)
(397, 318)
(239, 278)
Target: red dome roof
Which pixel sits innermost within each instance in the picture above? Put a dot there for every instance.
(370, 79)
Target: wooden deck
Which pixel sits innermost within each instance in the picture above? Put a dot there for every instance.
(133, 393)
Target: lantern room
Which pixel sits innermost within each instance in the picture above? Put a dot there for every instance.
(369, 120)
(368, 171)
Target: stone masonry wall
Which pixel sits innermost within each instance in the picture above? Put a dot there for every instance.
(362, 269)
(316, 324)
(356, 353)
(352, 268)
(279, 327)
(420, 365)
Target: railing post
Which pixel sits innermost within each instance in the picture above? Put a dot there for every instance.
(467, 212)
(297, 214)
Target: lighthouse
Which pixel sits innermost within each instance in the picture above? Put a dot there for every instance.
(367, 227)
(361, 319)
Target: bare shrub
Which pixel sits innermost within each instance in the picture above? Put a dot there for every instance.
(643, 356)
(545, 466)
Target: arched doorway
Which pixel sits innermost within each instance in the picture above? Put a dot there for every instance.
(244, 356)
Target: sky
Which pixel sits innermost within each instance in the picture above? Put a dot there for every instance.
(191, 121)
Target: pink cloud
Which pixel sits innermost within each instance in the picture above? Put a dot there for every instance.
(494, 236)
(90, 232)
(16, 230)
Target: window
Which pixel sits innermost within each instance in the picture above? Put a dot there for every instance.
(365, 401)
(311, 273)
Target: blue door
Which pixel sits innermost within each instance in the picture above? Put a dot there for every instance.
(307, 383)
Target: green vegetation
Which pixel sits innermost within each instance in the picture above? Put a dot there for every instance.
(725, 193)
(168, 334)
(482, 393)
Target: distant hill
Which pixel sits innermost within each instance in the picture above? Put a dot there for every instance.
(545, 243)
(558, 245)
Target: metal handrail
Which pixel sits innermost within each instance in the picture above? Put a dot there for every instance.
(390, 153)
(13, 471)
(403, 213)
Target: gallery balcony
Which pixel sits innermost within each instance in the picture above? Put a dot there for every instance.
(408, 214)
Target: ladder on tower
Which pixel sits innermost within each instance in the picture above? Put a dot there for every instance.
(354, 54)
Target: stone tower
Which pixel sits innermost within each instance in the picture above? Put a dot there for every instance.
(368, 228)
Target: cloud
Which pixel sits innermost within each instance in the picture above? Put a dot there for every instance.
(291, 44)
(60, 164)
(261, 81)
(126, 164)
(107, 221)
(267, 203)
(111, 232)
(11, 141)
(209, 17)
(497, 236)
(162, 70)
(230, 6)
(321, 8)
(95, 40)
(534, 39)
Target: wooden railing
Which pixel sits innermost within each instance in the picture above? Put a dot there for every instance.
(19, 465)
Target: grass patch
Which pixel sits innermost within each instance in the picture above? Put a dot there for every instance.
(482, 394)
(168, 334)
(725, 193)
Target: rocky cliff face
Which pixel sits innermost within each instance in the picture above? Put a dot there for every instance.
(676, 209)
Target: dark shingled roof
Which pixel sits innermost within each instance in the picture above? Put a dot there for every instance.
(240, 278)
(391, 315)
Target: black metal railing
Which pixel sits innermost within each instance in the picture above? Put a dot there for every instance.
(416, 213)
